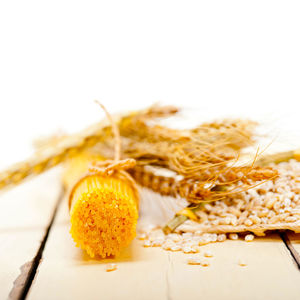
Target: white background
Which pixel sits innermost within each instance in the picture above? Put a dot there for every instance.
(225, 58)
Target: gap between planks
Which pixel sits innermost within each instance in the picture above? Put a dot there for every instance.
(289, 245)
(28, 271)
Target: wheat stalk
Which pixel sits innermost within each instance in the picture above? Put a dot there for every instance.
(69, 146)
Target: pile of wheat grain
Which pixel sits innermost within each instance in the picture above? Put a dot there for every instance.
(273, 205)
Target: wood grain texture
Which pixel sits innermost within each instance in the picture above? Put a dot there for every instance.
(25, 213)
(152, 273)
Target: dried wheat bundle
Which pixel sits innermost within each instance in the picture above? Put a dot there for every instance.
(205, 157)
(190, 153)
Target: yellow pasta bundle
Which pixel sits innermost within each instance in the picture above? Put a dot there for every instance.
(104, 213)
(103, 203)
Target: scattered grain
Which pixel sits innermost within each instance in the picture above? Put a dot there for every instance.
(111, 267)
(233, 236)
(142, 236)
(242, 263)
(157, 242)
(221, 237)
(208, 254)
(248, 222)
(194, 261)
(187, 249)
(249, 237)
(175, 248)
(204, 263)
(147, 243)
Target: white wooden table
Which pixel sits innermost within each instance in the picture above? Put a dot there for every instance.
(38, 259)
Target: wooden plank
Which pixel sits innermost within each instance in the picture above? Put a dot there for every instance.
(269, 274)
(25, 213)
(152, 273)
(29, 205)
